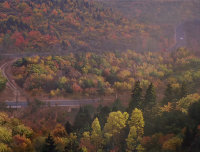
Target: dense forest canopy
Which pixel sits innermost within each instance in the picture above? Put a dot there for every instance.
(158, 11)
(74, 25)
(106, 73)
(170, 15)
(162, 113)
(138, 61)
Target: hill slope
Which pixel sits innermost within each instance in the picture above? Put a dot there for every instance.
(72, 25)
(157, 11)
(167, 14)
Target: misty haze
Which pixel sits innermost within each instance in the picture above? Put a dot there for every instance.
(99, 75)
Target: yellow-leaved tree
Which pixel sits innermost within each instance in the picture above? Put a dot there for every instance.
(96, 134)
(114, 128)
(137, 120)
(136, 125)
(132, 139)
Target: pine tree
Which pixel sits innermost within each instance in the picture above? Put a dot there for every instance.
(136, 101)
(83, 119)
(102, 114)
(117, 106)
(183, 91)
(150, 97)
(188, 138)
(68, 127)
(168, 95)
(50, 145)
(72, 146)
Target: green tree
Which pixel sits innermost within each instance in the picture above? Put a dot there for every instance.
(68, 127)
(183, 90)
(38, 143)
(72, 146)
(150, 97)
(189, 136)
(136, 100)
(83, 119)
(102, 114)
(117, 106)
(3, 106)
(168, 95)
(194, 112)
(170, 122)
(50, 145)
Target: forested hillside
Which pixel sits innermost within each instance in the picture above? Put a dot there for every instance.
(73, 25)
(106, 73)
(167, 12)
(170, 15)
(147, 124)
(143, 93)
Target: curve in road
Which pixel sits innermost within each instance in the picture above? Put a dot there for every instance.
(23, 104)
(10, 82)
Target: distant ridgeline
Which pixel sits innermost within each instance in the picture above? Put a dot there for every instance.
(76, 25)
(157, 11)
(170, 15)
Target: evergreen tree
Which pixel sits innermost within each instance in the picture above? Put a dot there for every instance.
(183, 91)
(102, 114)
(150, 97)
(136, 100)
(194, 112)
(83, 119)
(168, 95)
(195, 144)
(188, 138)
(117, 106)
(68, 127)
(50, 145)
(195, 147)
(72, 146)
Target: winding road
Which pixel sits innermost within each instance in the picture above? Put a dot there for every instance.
(22, 104)
(180, 40)
(10, 83)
